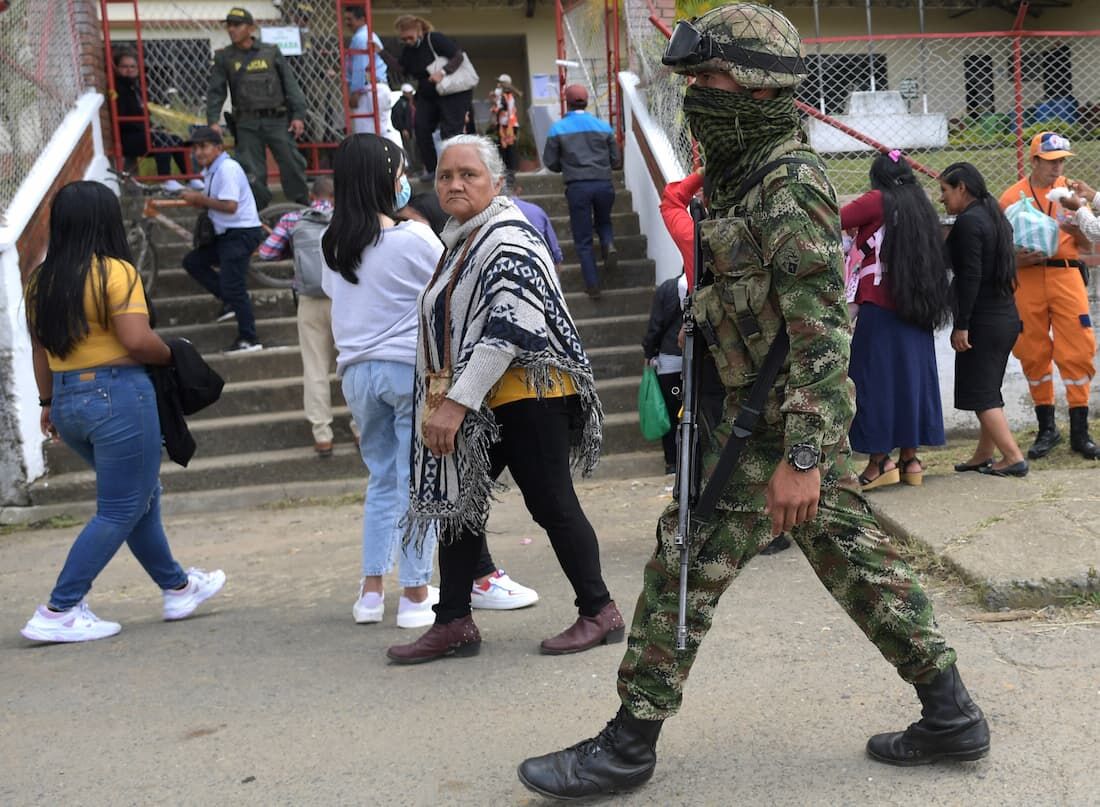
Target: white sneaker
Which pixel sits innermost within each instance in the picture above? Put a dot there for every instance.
(172, 186)
(502, 593)
(417, 614)
(78, 624)
(201, 586)
(196, 185)
(369, 607)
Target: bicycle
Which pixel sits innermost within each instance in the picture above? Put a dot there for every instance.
(141, 222)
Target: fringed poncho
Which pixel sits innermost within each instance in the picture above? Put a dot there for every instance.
(507, 310)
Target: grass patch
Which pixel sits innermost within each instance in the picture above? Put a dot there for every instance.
(1082, 599)
(51, 523)
(314, 501)
(940, 460)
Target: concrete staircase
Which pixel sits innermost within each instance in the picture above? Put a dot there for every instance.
(255, 445)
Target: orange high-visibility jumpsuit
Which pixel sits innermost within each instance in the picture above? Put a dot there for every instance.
(1054, 310)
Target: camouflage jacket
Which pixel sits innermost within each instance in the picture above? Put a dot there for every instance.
(776, 257)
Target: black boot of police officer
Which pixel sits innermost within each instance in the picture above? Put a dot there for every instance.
(621, 757)
(951, 727)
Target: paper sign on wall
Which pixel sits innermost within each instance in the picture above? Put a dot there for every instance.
(288, 38)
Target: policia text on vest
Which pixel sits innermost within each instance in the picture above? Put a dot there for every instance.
(268, 112)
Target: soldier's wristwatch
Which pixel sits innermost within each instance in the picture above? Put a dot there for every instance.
(803, 457)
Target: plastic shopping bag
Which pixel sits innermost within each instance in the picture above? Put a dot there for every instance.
(652, 414)
(1032, 228)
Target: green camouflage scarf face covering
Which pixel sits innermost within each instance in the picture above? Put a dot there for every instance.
(736, 132)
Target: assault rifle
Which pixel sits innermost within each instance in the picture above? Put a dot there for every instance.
(696, 505)
(687, 467)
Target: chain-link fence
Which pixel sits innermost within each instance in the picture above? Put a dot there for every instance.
(39, 81)
(176, 40)
(940, 98)
(585, 35)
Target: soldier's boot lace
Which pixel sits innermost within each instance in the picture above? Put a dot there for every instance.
(951, 727)
(1048, 436)
(1079, 439)
(621, 757)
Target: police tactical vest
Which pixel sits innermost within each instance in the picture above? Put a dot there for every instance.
(309, 261)
(254, 81)
(739, 314)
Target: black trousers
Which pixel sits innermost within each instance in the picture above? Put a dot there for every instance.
(534, 446)
(231, 253)
(445, 112)
(670, 391)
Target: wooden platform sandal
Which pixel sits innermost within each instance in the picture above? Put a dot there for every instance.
(891, 477)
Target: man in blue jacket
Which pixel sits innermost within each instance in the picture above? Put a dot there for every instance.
(582, 148)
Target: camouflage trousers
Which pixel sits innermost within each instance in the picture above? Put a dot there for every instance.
(848, 552)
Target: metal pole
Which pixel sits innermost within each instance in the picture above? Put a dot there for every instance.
(820, 66)
(923, 60)
(870, 48)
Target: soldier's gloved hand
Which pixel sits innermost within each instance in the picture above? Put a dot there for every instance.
(792, 496)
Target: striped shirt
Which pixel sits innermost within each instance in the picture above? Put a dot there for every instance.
(277, 245)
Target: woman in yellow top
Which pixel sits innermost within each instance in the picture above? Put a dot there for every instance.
(521, 397)
(89, 323)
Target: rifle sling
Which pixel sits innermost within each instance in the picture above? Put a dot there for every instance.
(743, 425)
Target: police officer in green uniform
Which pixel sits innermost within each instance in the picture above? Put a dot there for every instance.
(775, 255)
(265, 97)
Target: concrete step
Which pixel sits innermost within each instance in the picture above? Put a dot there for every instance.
(286, 362)
(212, 337)
(556, 205)
(273, 448)
(173, 281)
(635, 465)
(202, 308)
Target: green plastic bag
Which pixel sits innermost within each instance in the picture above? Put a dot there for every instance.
(652, 414)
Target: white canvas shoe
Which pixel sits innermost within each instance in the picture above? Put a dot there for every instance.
(201, 586)
(370, 607)
(502, 593)
(417, 614)
(78, 624)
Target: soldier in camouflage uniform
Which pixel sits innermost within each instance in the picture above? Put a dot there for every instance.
(776, 258)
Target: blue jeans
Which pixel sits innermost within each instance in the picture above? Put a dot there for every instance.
(588, 198)
(108, 416)
(380, 396)
(230, 252)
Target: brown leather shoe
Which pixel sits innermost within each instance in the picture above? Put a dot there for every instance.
(458, 638)
(588, 631)
(324, 450)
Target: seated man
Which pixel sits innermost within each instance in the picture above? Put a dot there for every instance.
(237, 232)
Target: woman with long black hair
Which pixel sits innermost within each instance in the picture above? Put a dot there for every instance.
(89, 324)
(902, 294)
(375, 268)
(986, 324)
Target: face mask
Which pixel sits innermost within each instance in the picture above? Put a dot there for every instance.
(404, 192)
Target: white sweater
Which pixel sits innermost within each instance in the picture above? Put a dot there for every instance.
(376, 318)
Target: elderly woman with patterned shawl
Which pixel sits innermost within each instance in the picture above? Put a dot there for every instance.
(502, 382)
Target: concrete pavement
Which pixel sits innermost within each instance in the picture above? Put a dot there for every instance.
(272, 695)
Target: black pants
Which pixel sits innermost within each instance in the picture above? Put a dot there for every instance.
(534, 446)
(670, 391)
(230, 252)
(445, 112)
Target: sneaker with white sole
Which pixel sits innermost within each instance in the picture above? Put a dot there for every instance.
(201, 586)
(501, 593)
(171, 186)
(196, 185)
(78, 624)
(370, 607)
(417, 614)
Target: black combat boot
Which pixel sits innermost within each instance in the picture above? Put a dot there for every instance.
(621, 757)
(951, 727)
(1048, 436)
(1079, 439)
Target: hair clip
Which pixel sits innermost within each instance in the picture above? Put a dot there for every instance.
(894, 155)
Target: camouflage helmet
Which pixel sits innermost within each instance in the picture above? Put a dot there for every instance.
(755, 44)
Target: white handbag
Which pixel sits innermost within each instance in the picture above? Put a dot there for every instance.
(462, 79)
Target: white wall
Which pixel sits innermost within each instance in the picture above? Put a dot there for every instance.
(659, 245)
(13, 329)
